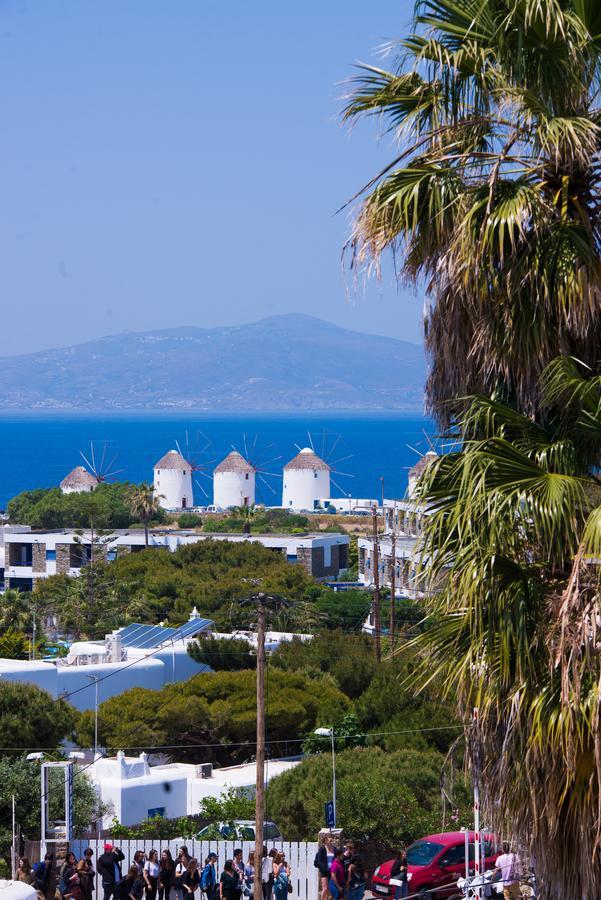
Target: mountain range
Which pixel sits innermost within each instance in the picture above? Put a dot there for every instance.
(287, 362)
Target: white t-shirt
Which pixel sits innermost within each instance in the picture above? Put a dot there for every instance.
(508, 864)
(152, 869)
(266, 868)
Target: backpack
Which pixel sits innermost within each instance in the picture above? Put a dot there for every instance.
(41, 876)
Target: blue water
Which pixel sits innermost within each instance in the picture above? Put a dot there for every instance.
(39, 450)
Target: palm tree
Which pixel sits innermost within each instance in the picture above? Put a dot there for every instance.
(492, 199)
(144, 503)
(16, 611)
(514, 535)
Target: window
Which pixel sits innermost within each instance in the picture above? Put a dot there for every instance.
(454, 856)
(423, 852)
(292, 557)
(246, 476)
(314, 474)
(184, 471)
(155, 812)
(184, 504)
(50, 555)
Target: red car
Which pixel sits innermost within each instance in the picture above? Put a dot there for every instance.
(434, 863)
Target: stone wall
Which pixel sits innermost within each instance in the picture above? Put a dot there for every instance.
(63, 558)
(38, 557)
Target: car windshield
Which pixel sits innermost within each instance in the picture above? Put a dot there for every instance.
(423, 852)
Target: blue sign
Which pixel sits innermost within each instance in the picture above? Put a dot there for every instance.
(330, 818)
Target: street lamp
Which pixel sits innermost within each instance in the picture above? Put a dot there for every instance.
(329, 732)
(94, 678)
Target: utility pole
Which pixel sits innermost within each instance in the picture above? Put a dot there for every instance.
(393, 587)
(377, 621)
(478, 893)
(260, 756)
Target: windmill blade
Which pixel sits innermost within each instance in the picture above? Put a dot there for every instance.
(266, 483)
(297, 447)
(311, 441)
(334, 445)
(202, 490)
(419, 453)
(261, 466)
(271, 474)
(244, 445)
(179, 448)
(87, 462)
(103, 457)
(341, 489)
(342, 459)
(323, 443)
(112, 473)
(93, 460)
(346, 474)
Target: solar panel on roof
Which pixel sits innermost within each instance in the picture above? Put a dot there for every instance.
(142, 637)
(192, 627)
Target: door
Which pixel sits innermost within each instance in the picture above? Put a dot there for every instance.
(451, 866)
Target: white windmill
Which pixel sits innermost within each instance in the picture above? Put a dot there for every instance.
(308, 477)
(99, 469)
(241, 478)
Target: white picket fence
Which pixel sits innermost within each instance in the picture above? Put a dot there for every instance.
(300, 856)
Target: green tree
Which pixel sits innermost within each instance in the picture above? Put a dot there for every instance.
(107, 507)
(16, 611)
(228, 807)
(492, 197)
(29, 717)
(21, 778)
(144, 505)
(388, 798)
(14, 645)
(223, 654)
(216, 711)
(348, 658)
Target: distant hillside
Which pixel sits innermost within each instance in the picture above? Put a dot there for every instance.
(290, 362)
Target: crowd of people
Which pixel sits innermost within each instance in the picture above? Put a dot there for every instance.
(341, 870)
(154, 877)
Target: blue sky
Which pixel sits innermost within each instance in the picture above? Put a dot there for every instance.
(173, 162)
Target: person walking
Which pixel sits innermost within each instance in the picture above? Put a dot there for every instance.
(228, 882)
(108, 867)
(151, 875)
(181, 867)
(191, 878)
(322, 863)
(509, 867)
(281, 876)
(249, 875)
(208, 877)
(132, 886)
(44, 880)
(355, 873)
(267, 873)
(337, 882)
(85, 870)
(399, 873)
(239, 869)
(67, 870)
(24, 871)
(166, 875)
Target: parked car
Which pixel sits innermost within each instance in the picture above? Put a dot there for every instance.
(240, 829)
(434, 865)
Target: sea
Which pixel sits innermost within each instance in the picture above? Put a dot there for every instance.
(367, 452)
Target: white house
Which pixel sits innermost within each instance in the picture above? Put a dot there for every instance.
(133, 790)
(147, 656)
(306, 481)
(233, 482)
(173, 481)
(78, 481)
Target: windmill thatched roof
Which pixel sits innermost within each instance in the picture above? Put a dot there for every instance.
(422, 464)
(307, 459)
(233, 462)
(172, 460)
(78, 478)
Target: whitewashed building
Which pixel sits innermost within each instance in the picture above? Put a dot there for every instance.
(30, 555)
(147, 656)
(78, 481)
(233, 482)
(306, 481)
(173, 481)
(133, 790)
